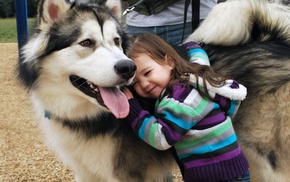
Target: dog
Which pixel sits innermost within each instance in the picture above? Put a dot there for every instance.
(250, 42)
(78, 52)
(73, 67)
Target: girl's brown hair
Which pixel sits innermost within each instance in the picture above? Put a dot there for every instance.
(158, 49)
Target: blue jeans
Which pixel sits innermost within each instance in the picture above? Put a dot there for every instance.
(244, 178)
(171, 33)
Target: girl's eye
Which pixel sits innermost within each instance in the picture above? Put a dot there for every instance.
(87, 43)
(147, 73)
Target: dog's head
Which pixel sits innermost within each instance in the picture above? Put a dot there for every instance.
(78, 50)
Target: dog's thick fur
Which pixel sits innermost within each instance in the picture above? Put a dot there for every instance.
(73, 44)
(249, 40)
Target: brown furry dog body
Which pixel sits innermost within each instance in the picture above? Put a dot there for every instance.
(250, 42)
(78, 49)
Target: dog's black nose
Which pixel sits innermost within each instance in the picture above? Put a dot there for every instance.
(125, 68)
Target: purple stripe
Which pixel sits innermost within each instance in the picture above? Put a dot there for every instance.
(219, 171)
(135, 122)
(234, 85)
(213, 119)
(223, 102)
(223, 157)
(191, 45)
(169, 133)
(178, 90)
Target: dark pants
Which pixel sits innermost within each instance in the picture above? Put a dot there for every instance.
(171, 33)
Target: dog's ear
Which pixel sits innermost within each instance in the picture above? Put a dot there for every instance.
(115, 7)
(51, 10)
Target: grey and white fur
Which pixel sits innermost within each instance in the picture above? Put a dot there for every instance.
(78, 50)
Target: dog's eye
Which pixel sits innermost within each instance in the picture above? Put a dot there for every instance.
(87, 43)
(117, 41)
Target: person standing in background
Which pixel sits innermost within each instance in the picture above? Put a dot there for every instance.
(168, 23)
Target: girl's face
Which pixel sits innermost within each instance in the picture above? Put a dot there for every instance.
(151, 78)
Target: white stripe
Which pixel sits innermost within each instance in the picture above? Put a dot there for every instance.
(193, 96)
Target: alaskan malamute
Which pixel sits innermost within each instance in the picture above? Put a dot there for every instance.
(74, 63)
(249, 40)
(72, 67)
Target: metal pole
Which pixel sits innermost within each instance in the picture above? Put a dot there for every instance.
(21, 20)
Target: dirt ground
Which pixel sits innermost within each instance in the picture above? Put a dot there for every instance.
(23, 155)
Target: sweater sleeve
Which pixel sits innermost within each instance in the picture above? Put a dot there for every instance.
(229, 106)
(196, 54)
(174, 118)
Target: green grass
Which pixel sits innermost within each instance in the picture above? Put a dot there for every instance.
(8, 30)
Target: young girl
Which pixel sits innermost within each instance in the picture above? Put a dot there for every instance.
(192, 113)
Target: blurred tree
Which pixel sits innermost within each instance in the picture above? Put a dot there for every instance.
(32, 7)
(7, 8)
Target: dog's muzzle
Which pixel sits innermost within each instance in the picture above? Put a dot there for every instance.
(125, 68)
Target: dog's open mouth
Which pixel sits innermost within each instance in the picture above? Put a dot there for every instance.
(109, 97)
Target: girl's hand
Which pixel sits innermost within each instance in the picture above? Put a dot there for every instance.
(127, 92)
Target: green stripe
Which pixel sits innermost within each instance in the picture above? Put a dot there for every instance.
(200, 56)
(201, 107)
(175, 106)
(152, 132)
(219, 131)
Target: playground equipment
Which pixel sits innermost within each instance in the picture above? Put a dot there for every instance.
(21, 21)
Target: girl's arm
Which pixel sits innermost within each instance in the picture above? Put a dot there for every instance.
(196, 54)
(229, 106)
(228, 103)
(174, 118)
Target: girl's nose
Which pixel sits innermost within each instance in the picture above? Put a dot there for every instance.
(144, 84)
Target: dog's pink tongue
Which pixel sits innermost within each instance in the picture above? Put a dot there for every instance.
(116, 101)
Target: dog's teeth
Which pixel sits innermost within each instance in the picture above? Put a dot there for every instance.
(90, 84)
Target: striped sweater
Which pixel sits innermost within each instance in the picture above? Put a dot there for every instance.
(199, 130)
